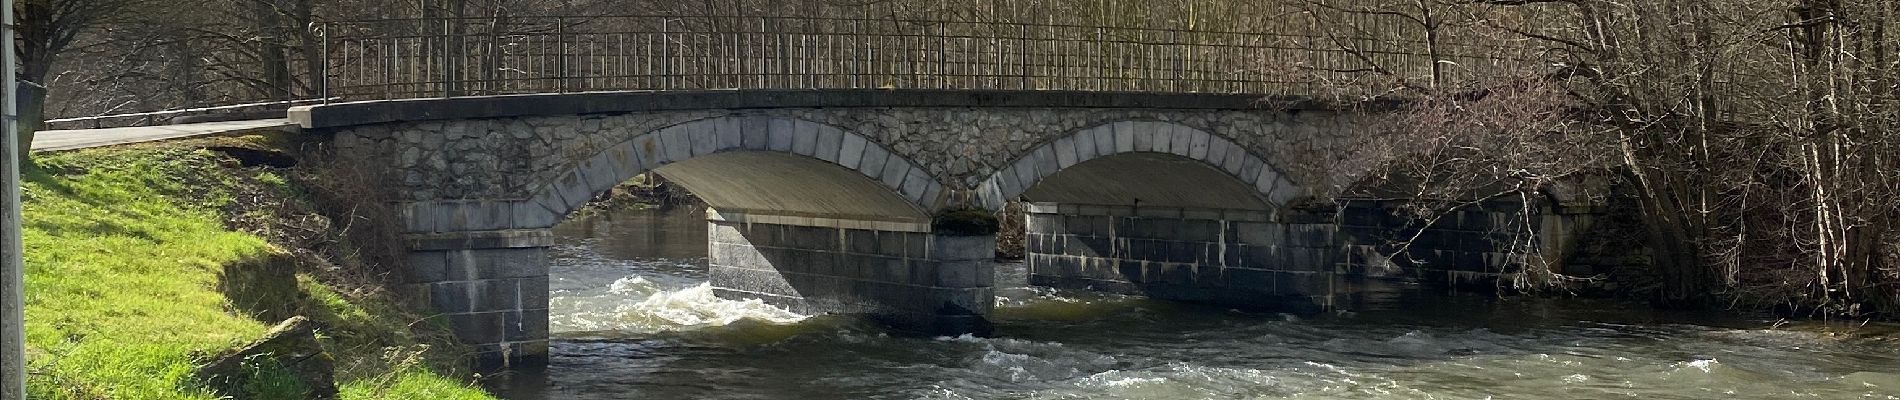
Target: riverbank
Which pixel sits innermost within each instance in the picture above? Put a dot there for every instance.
(144, 260)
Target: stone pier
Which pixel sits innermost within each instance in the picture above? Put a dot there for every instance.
(491, 287)
(899, 273)
(1242, 258)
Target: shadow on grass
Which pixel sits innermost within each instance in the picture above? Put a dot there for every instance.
(50, 178)
(94, 228)
(264, 287)
(371, 336)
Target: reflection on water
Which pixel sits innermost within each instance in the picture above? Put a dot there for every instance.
(633, 319)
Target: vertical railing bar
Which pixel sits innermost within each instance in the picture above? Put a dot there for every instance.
(735, 53)
(620, 62)
(1175, 46)
(831, 67)
(996, 76)
(784, 52)
(803, 61)
(1103, 59)
(390, 67)
(947, 77)
(646, 63)
(447, 75)
(1022, 53)
(667, 58)
(324, 85)
(561, 50)
(854, 70)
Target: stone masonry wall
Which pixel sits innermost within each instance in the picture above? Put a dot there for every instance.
(1258, 259)
(914, 281)
(495, 299)
(1474, 247)
(1243, 258)
(506, 158)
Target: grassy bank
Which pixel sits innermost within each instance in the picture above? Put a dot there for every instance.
(133, 271)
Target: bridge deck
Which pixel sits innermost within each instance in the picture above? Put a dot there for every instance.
(87, 138)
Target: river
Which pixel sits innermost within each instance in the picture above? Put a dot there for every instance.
(633, 317)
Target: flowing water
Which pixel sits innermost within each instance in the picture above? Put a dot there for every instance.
(634, 318)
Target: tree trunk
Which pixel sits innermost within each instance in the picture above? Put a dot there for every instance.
(271, 51)
(1675, 256)
(31, 99)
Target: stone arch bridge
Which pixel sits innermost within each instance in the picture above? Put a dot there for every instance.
(858, 200)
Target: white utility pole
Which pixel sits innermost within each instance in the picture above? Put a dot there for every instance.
(12, 282)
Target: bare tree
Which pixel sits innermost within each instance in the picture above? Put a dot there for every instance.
(45, 29)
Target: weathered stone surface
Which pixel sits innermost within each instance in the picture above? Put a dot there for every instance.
(1180, 254)
(895, 171)
(1065, 152)
(805, 138)
(755, 132)
(851, 151)
(960, 148)
(513, 166)
(782, 134)
(911, 279)
(830, 144)
(1124, 136)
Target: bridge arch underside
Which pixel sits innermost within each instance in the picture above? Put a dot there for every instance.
(818, 238)
(1147, 179)
(801, 215)
(1173, 227)
(787, 185)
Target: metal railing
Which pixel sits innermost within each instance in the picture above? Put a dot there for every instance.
(410, 58)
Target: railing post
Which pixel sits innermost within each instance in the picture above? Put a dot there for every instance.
(448, 61)
(857, 43)
(1174, 41)
(784, 55)
(666, 59)
(1104, 64)
(1023, 53)
(560, 36)
(764, 53)
(943, 55)
(324, 82)
(390, 56)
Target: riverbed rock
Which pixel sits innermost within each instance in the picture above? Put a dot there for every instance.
(287, 363)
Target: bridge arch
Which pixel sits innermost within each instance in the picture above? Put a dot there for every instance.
(752, 163)
(1148, 162)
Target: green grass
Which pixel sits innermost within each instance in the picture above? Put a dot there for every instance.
(125, 251)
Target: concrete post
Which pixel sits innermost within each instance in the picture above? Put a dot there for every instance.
(12, 283)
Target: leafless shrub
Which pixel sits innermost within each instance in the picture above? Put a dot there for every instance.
(362, 212)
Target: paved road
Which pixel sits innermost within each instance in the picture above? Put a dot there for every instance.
(84, 138)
